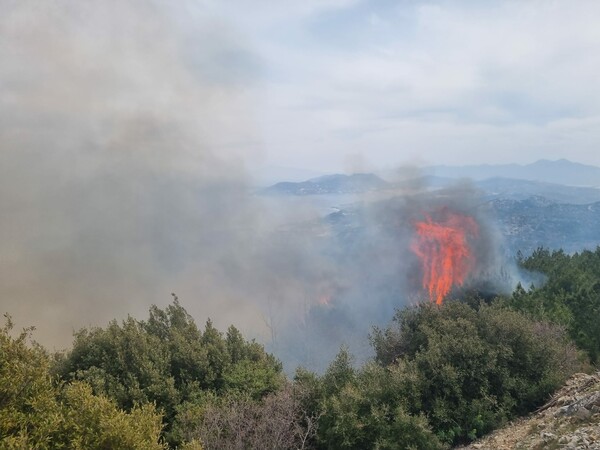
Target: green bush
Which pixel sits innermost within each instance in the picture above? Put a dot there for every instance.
(30, 414)
(364, 408)
(570, 294)
(469, 369)
(36, 413)
(95, 422)
(168, 361)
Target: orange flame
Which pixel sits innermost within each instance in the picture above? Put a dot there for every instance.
(444, 251)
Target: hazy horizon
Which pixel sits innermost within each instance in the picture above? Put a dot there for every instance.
(355, 86)
(269, 174)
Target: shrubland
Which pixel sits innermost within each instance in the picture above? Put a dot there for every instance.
(441, 376)
(38, 411)
(169, 362)
(570, 295)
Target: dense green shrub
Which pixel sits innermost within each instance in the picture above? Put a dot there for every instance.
(569, 295)
(470, 369)
(29, 411)
(36, 413)
(95, 422)
(364, 408)
(167, 360)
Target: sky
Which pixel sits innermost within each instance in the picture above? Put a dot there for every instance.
(357, 85)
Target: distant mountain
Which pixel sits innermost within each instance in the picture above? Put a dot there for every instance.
(529, 213)
(329, 184)
(268, 174)
(559, 172)
(510, 188)
(560, 181)
(515, 189)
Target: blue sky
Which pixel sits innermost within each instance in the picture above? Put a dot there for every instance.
(351, 85)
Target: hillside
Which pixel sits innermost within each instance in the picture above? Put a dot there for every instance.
(517, 189)
(524, 224)
(329, 184)
(536, 221)
(570, 420)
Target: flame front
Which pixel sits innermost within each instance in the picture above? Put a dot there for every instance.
(444, 251)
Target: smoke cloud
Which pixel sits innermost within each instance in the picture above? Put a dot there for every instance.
(121, 182)
(377, 271)
(119, 178)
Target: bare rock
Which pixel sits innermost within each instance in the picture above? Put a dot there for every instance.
(570, 420)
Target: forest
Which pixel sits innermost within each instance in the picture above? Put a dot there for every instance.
(441, 375)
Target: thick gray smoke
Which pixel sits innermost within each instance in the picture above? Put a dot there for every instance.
(120, 183)
(378, 272)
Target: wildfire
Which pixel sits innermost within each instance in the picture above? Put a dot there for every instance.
(443, 248)
(325, 300)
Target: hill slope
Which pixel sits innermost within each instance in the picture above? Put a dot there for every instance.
(329, 184)
(511, 188)
(570, 420)
(536, 221)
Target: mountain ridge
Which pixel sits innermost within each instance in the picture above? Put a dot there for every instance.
(561, 171)
(329, 184)
(492, 187)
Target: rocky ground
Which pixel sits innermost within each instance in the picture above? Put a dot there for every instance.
(570, 420)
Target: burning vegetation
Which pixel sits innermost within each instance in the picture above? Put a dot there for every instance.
(444, 250)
